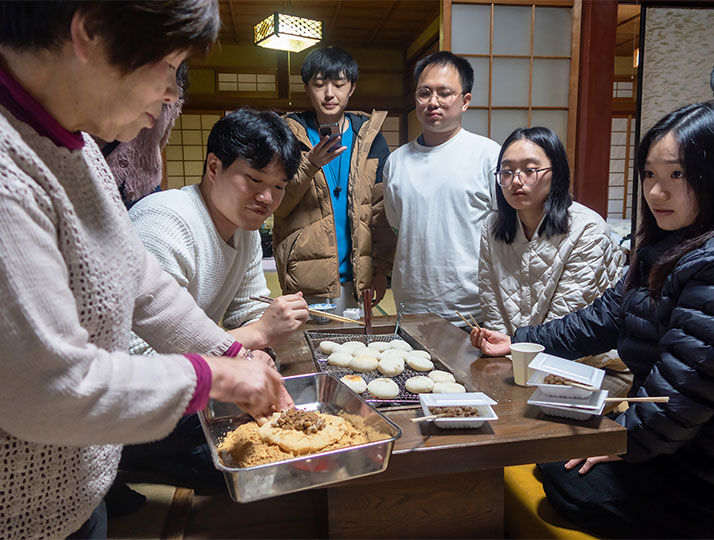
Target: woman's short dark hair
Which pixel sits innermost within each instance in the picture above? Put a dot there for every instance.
(329, 63)
(446, 58)
(135, 33)
(555, 211)
(693, 128)
(258, 137)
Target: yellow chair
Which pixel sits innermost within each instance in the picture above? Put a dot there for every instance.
(528, 514)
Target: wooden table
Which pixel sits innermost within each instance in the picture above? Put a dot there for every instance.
(449, 483)
(439, 483)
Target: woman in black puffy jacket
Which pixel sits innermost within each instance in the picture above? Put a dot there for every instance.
(660, 317)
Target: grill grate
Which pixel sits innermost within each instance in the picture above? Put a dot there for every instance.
(404, 397)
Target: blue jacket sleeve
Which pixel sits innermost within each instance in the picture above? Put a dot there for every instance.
(590, 331)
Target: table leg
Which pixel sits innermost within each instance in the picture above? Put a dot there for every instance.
(468, 505)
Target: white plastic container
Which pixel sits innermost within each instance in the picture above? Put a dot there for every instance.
(576, 409)
(547, 364)
(479, 400)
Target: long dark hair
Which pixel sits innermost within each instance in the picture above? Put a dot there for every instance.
(693, 128)
(556, 206)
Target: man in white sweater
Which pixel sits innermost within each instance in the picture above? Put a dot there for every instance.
(438, 191)
(206, 235)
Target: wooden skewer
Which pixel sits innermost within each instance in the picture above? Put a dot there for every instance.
(654, 399)
(474, 321)
(425, 418)
(316, 312)
(467, 322)
(580, 385)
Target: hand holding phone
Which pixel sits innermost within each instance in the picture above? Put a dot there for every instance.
(332, 131)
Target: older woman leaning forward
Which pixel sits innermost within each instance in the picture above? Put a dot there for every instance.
(75, 279)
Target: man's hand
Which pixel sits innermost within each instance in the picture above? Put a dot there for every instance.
(320, 155)
(590, 462)
(490, 342)
(379, 286)
(251, 384)
(284, 315)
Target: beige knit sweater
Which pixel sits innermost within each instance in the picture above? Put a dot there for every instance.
(73, 278)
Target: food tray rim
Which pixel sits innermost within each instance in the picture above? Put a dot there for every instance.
(235, 470)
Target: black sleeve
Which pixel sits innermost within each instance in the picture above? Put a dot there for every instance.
(590, 331)
(684, 371)
(380, 150)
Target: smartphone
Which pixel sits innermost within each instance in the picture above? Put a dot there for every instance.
(332, 131)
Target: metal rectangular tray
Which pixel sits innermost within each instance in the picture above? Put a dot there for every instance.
(405, 397)
(314, 392)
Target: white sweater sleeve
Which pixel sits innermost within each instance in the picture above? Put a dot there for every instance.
(242, 310)
(52, 374)
(492, 315)
(169, 239)
(594, 264)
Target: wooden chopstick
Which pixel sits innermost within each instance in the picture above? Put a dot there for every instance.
(474, 321)
(467, 322)
(316, 312)
(425, 418)
(580, 385)
(653, 399)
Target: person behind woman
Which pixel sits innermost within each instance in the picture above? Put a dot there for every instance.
(661, 317)
(543, 255)
(75, 278)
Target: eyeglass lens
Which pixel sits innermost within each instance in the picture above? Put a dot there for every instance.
(443, 95)
(528, 176)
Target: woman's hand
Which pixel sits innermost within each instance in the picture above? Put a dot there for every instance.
(590, 462)
(490, 342)
(249, 383)
(321, 155)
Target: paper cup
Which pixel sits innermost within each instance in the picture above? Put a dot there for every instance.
(521, 355)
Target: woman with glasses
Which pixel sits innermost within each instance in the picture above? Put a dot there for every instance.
(661, 318)
(75, 278)
(543, 255)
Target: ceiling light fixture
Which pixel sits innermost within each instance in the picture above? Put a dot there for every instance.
(287, 32)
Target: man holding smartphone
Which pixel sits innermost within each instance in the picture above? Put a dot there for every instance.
(331, 239)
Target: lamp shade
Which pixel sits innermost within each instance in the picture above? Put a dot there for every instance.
(287, 32)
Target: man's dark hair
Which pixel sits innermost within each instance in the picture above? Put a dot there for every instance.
(258, 137)
(134, 33)
(446, 58)
(555, 210)
(329, 63)
(711, 80)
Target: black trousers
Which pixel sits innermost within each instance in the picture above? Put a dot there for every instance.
(624, 500)
(183, 458)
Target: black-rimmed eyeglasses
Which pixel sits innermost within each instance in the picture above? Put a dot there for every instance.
(505, 177)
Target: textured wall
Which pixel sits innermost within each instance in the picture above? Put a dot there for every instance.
(678, 59)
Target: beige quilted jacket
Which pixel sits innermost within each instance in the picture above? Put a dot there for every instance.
(532, 282)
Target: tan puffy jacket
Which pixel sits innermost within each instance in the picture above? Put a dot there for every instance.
(304, 240)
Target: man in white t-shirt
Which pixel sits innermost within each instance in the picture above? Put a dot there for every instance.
(206, 235)
(438, 190)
